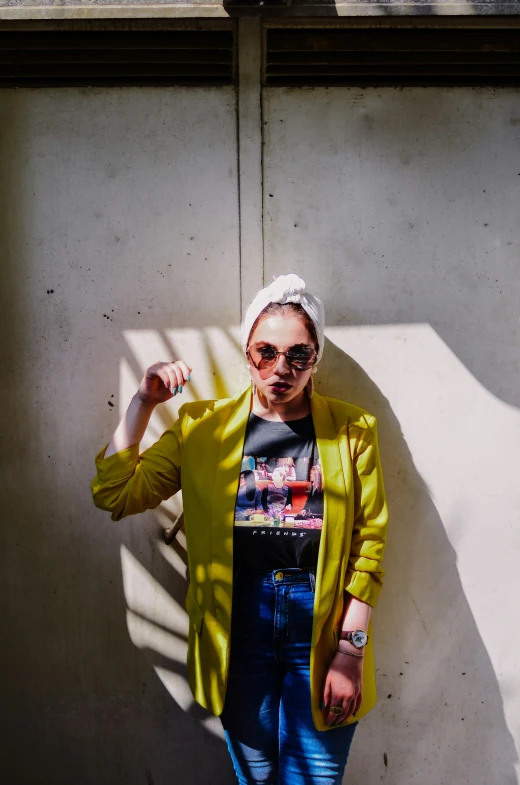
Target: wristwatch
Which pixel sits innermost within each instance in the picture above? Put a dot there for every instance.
(357, 638)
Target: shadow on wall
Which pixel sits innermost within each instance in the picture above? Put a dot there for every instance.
(435, 679)
(155, 581)
(81, 704)
(436, 682)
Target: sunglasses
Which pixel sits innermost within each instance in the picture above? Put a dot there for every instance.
(299, 358)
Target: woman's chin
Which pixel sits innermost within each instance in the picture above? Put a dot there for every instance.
(276, 395)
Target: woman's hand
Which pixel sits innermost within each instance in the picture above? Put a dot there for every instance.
(343, 687)
(162, 381)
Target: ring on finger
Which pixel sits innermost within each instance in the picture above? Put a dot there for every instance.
(336, 710)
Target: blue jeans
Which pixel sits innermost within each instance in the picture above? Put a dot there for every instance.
(267, 716)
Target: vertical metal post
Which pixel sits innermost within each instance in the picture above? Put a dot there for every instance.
(250, 158)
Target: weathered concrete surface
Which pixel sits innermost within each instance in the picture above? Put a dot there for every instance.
(400, 206)
(118, 215)
(104, 9)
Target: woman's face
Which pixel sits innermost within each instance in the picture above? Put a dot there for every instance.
(280, 383)
(278, 477)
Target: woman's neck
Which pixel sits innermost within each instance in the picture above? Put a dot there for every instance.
(281, 412)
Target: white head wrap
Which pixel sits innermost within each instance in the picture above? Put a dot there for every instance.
(286, 289)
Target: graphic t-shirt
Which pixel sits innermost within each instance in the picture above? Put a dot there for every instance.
(279, 505)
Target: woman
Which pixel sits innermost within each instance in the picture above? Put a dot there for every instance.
(314, 502)
(278, 643)
(248, 496)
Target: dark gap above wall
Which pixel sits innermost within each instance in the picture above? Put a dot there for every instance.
(365, 57)
(108, 58)
(294, 55)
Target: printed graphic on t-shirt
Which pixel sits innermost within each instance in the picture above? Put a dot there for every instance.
(277, 493)
(279, 504)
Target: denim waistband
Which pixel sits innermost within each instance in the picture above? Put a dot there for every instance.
(280, 576)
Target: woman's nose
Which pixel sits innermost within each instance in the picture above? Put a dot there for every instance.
(281, 365)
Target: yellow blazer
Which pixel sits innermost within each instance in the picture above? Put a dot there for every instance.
(202, 451)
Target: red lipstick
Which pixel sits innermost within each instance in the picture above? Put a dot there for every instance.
(280, 387)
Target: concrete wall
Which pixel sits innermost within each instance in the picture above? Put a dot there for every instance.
(172, 9)
(119, 223)
(120, 244)
(400, 206)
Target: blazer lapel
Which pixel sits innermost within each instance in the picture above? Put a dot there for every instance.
(232, 435)
(335, 507)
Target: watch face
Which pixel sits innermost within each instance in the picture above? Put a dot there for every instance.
(359, 638)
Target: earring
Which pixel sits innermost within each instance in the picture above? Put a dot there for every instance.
(253, 387)
(310, 387)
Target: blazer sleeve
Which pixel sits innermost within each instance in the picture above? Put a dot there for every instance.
(127, 482)
(365, 574)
